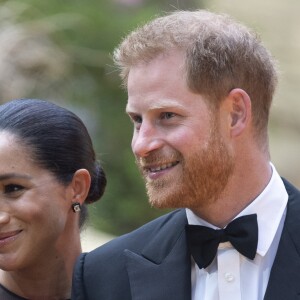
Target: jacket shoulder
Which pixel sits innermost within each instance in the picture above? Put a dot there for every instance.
(136, 239)
(102, 274)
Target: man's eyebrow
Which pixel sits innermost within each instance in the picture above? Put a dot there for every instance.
(167, 104)
(14, 175)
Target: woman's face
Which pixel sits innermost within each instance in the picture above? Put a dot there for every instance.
(34, 208)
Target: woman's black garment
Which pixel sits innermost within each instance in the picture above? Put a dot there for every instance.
(5, 294)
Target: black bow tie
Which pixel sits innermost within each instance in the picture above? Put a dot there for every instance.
(203, 241)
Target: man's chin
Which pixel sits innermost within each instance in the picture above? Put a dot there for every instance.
(160, 201)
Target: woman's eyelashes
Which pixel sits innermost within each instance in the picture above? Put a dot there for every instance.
(12, 189)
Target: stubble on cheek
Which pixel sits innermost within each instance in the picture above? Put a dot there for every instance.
(198, 180)
(158, 190)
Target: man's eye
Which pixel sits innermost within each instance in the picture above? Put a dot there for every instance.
(137, 119)
(167, 115)
(12, 188)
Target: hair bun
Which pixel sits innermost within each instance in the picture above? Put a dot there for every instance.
(98, 184)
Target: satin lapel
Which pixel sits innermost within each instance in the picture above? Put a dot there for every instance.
(284, 282)
(163, 270)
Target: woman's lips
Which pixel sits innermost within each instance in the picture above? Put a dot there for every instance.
(7, 237)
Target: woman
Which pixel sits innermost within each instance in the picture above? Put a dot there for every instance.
(48, 173)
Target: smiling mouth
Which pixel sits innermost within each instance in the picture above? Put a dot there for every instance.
(161, 167)
(10, 234)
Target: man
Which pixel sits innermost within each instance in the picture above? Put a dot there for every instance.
(200, 87)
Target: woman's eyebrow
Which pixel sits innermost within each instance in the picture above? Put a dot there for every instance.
(14, 175)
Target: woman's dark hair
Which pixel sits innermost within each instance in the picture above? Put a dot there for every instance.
(58, 139)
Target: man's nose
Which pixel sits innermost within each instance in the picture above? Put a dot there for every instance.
(146, 140)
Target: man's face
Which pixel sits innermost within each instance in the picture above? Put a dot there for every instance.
(176, 141)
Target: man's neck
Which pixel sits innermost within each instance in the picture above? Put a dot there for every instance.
(243, 187)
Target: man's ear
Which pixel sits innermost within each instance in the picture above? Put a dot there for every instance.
(80, 185)
(240, 111)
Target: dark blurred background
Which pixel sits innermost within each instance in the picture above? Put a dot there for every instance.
(62, 51)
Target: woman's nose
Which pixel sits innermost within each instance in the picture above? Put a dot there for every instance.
(4, 217)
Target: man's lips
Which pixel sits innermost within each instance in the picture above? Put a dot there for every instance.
(160, 167)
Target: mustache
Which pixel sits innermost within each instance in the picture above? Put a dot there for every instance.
(157, 158)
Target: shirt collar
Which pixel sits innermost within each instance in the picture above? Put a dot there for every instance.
(270, 207)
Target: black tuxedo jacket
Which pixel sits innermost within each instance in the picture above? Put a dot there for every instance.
(152, 262)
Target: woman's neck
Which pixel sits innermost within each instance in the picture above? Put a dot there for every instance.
(48, 278)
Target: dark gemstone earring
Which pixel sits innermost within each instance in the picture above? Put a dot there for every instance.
(76, 207)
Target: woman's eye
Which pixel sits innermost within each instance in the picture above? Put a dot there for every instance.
(12, 188)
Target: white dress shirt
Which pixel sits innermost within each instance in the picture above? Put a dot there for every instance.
(231, 276)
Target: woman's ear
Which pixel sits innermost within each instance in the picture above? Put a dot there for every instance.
(240, 111)
(80, 185)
